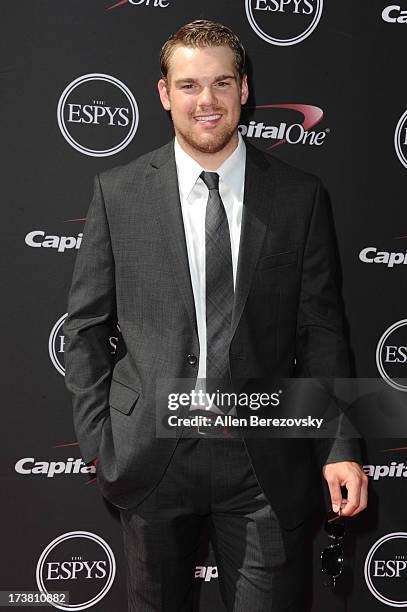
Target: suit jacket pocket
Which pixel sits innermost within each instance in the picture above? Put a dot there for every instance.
(277, 260)
(122, 398)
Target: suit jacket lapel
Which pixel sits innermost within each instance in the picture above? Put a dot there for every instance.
(258, 196)
(163, 193)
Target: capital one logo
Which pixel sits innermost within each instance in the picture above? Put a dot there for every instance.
(79, 562)
(386, 570)
(388, 258)
(56, 344)
(206, 573)
(392, 470)
(281, 127)
(152, 3)
(49, 469)
(40, 239)
(391, 355)
(283, 22)
(97, 115)
(394, 14)
(400, 139)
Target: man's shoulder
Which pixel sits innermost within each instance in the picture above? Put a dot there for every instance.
(135, 167)
(284, 172)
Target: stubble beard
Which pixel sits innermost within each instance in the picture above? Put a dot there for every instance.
(209, 143)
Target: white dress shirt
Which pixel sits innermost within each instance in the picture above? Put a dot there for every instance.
(194, 196)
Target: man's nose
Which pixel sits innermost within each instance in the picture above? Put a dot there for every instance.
(207, 97)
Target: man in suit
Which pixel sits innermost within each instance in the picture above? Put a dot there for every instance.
(218, 263)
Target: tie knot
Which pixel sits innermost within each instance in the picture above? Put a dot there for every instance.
(211, 180)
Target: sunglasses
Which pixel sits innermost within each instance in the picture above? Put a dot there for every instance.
(332, 555)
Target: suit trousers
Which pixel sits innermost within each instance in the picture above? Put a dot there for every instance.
(211, 482)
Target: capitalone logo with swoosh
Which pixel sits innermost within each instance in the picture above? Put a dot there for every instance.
(391, 258)
(278, 126)
(151, 3)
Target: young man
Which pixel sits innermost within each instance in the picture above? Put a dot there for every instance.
(217, 261)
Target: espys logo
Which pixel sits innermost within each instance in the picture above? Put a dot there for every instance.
(394, 14)
(56, 344)
(80, 561)
(386, 570)
(283, 22)
(286, 130)
(97, 115)
(152, 3)
(391, 355)
(400, 139)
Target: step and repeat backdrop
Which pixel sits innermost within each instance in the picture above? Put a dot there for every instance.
(78, 95)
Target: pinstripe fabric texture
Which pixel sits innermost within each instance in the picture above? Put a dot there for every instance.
(211, 483)
(132, 267)
(219, 282)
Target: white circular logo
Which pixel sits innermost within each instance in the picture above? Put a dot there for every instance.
(283, 23)
(83, 562)
(56, 345)
(97, 115)
(400, 139)
(386, 569)
(391, 355)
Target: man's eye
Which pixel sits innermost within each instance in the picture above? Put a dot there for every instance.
(222, 83)
(188, 86)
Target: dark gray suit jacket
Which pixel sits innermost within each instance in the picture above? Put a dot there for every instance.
(133, 268)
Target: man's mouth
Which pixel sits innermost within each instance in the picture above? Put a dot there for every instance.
(207, 118)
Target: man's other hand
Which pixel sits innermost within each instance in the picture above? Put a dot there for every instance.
(350, 475)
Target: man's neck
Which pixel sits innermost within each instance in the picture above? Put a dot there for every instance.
(209, 161)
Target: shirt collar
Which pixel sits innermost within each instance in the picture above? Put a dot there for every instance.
(231, 172)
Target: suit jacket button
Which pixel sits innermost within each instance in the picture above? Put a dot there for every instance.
(192, 360)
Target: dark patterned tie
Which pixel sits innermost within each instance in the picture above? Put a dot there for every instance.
(219, 287)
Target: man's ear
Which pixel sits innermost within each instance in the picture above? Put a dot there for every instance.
(163, 91)
(244, 90)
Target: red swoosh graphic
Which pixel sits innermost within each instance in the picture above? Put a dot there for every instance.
(66, 444)
(109, 8)
(394, 449)
(312, 115)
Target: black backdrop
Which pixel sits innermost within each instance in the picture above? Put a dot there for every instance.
(333, 71)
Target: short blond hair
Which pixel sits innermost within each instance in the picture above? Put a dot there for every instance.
(204, 33)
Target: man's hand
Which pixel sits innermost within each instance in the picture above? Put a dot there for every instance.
(350, 475)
